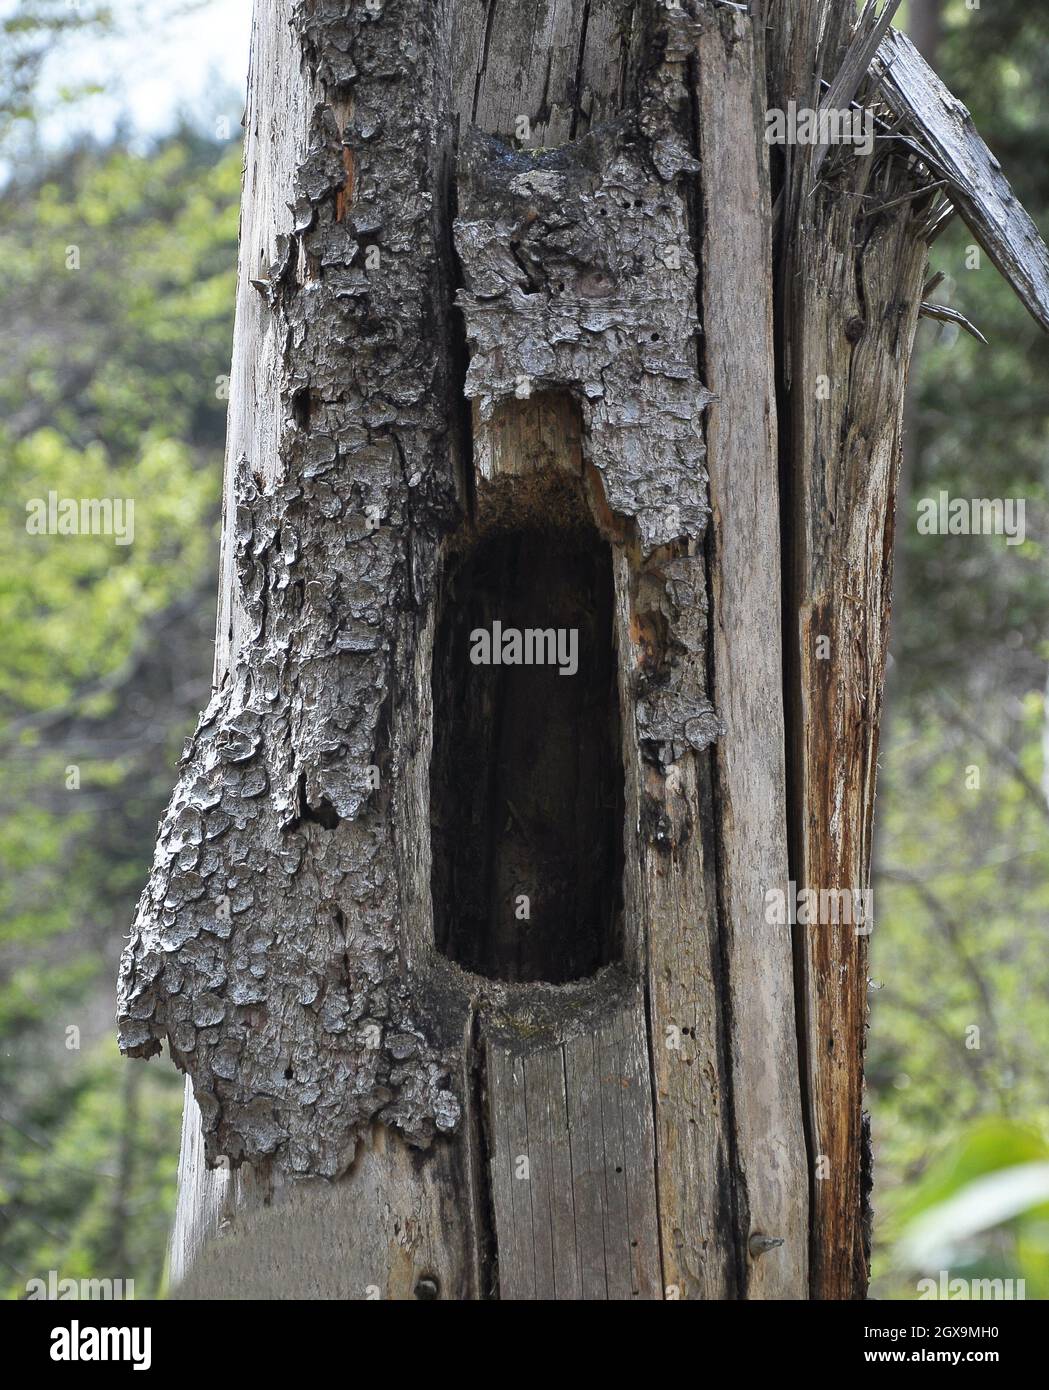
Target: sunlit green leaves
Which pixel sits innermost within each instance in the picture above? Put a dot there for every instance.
(107, 391)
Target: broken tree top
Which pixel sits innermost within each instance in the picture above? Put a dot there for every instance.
(943, 134)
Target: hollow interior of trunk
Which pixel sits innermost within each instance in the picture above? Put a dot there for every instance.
(526, 777)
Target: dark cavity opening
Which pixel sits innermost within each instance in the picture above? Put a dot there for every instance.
(526, 777)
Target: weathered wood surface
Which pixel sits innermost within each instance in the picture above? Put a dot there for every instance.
(673, 886)
(573, 1170)
(742, 461)
(844, 490)
(943, 128)
(850, 279)
(274, 151)
(560, 65)
(399, 1228)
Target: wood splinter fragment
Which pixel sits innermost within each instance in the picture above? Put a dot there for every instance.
(758, 1244)
(946, 315)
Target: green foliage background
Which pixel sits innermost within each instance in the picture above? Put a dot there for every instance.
(112, 385)
(962, 883)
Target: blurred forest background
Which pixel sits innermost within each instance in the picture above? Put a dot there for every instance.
(113, 383)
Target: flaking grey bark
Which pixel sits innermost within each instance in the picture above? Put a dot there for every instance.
(264, 949)
(577, 273)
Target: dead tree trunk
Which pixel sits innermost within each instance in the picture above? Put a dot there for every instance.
(468, 957)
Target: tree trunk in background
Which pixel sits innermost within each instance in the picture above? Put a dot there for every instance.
(925, 27)
(470, 965)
